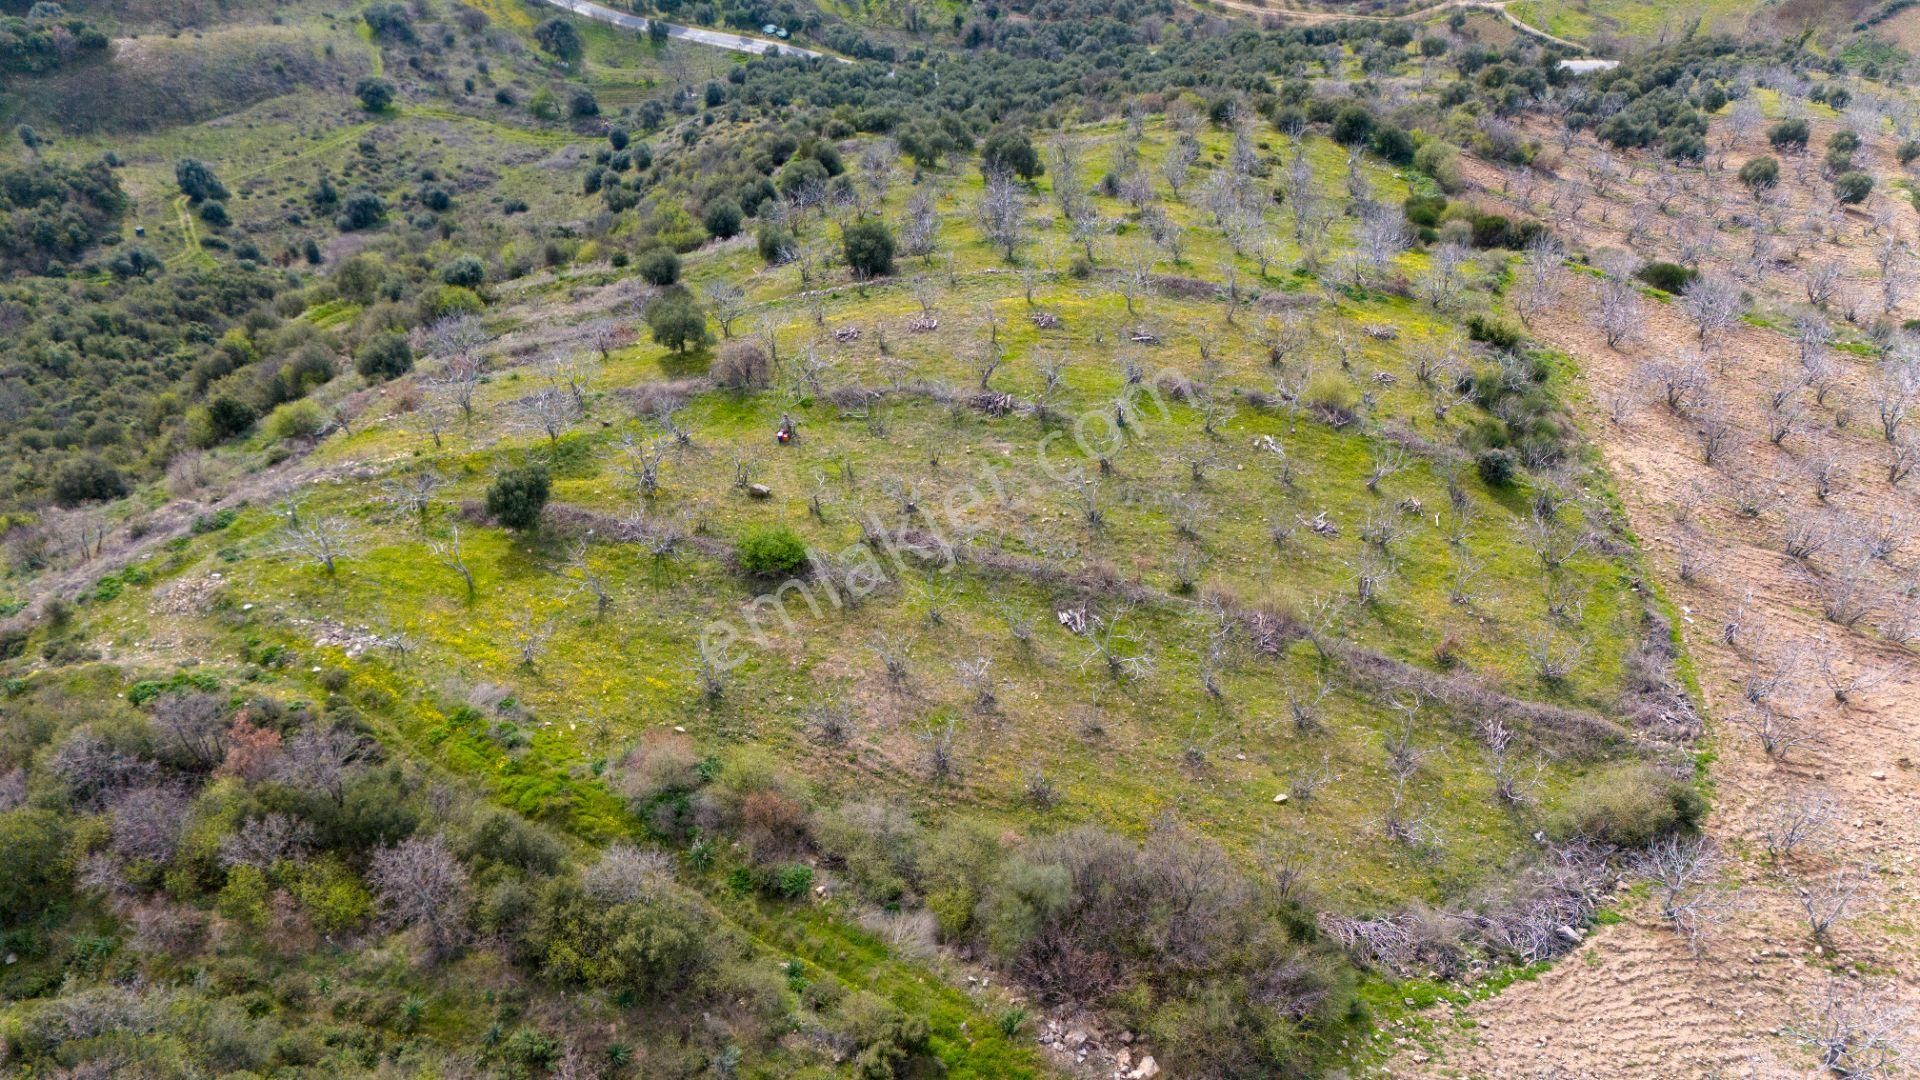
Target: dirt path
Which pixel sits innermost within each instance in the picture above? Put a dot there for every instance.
(1498, 7)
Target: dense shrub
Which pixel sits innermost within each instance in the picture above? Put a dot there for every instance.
(197, 181)
(771, 551)
(677, 322)
(1667, 277)
(1760, 173)
(722, 219)
(1852, 187)
(1009, 151)
(774, 243)
(1628, 805)
(385, 356)
(1352, 125)
(518, 495)
(868, 247)
(741, 366)
(87, 478)
(659, 266)
(559, 37)
(1494, 332)
(1788, 135)
(295, 420)
(1495, 466)
(465, 271)
(375, 94)
(50, 211)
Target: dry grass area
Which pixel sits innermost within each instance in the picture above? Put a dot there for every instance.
(1638, 999)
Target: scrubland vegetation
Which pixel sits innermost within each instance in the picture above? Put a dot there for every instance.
(1072, 541)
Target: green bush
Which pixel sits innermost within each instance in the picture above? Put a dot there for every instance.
(87, 479)
(33, 861)
(1352, 125)
(1332, 398)
(1008, 151)
(385, 356)
(722, 219)
(660, 266)
(1667, 277)
(517, 496)
(1760, 173)
(678, 322)
(771, 551)
(1788, 135)
(868, 246)
(1494, 332)
(375, 94)
(1852, 187)
(886, 1040)
(773, 243)
(1628, 805)
(466, 271)
(1495, 466)
(295, 420)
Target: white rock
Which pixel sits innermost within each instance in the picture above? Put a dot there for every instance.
(1282, 797)
(1146, 1069)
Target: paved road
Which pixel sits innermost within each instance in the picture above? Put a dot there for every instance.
(695, 34)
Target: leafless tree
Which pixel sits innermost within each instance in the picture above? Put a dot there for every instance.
(1777, 731)
(1820, 281)
(549, 410)
(712, 667)
(1440, 285)
(413, 490)
(1177, 165)
(1618, 311)
(1824, 903)
(1714, 302)
(920, 229)
(265, 840)
(325, 540)
(589, 579)
(1684, 872)
(193, 726)
(1719, 431)
(1383, 234)
(1118, 653)
(1002, 214)
(323, 760)
(420, 886)
(727, 302)
(1860, 1031)
(450, 555)
(1895, 391)
(1796, 822)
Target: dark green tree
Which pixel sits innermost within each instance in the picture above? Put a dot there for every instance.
(385, 356)
(558, 36)
(722, 218)
(678, 322)
(1009, 151)
(868, 246)
(1760, 173)
(659, 266)
(1852, 187)
(197, 181)
(518, 495)
(375, 94)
